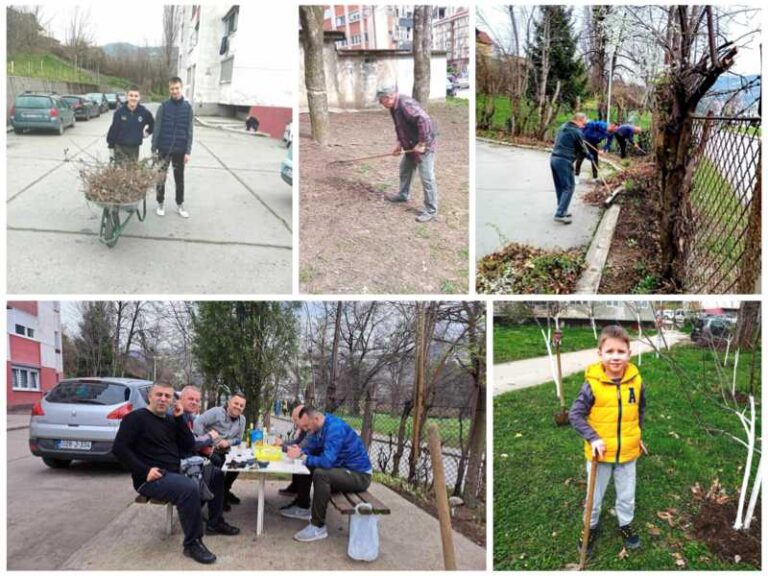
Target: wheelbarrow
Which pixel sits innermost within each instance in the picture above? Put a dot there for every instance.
(115, 217)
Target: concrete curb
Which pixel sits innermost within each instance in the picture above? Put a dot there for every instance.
(17, 427)
(597, 254)
(229, 128)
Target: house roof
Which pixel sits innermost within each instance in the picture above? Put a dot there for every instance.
(482, 38)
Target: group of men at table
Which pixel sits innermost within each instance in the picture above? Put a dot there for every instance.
(152, 442)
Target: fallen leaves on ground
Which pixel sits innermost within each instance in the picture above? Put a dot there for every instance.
(668, 516)
(679, 560)
(623, 554)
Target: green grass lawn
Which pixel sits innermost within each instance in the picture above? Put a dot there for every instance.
(53, 68)
(523, 341)
(540, 476)
(386, 424)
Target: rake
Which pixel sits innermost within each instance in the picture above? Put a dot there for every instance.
(355, 160)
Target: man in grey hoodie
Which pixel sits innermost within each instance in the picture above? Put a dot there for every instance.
(229, 424)
(569, 144)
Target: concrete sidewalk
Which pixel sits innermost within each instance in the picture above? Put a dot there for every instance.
(409, 539)
(16, 421)
(534, 371)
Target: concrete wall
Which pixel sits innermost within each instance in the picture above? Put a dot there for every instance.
(352, 77)
(18, 84)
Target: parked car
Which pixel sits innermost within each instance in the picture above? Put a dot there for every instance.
(450, 87)
(462, 82)
(680, 317)
(711, 330)
(288, 135)
(101, 99)
(84, 108)
(78, 419)
(668, 315)
(286, 167)
(41, 111)
(113, 100)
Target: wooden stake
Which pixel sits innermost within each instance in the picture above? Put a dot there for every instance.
(441, 497)
(588, 513)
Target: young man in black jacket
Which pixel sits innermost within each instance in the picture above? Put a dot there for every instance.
(130, 124)
(150, 443)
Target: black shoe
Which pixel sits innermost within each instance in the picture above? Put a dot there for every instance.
(199, 553)
(222, 528)
(631, 538)
(291, 504)
(397, 198)
(287, 491)
(232, 499)
(593, 533)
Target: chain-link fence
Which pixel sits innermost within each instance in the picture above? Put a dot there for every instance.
(724, 250)
(391, 444)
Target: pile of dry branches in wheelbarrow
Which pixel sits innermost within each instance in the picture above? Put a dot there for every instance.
(119, 182)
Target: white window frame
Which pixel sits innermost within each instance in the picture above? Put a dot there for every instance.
(30, 374)
(230, 62)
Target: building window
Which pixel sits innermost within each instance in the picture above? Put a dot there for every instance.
(341, 43)
(354, 16)
(355, 39)
(226, 71)
(26, 379)
(340, 20)
(230, 20)
(25, 331)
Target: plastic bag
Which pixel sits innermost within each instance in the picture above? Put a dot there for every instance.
(363, 534)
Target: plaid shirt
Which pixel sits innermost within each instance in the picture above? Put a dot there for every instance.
(412, 124)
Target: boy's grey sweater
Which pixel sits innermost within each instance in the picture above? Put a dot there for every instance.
(231, 429)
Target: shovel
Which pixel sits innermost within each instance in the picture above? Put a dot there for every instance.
(355, 160)
(602, 180)
(588, 512)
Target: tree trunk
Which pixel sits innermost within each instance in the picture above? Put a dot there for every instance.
(748, 325)
(366, 432)
(477, 429)
(401, 438)
(330, 394)
(311, 18)
(419, 388)
(422, 52)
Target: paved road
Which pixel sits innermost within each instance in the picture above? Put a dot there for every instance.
(534, 371)
(52, 513)
(516, 202)
(238, 239)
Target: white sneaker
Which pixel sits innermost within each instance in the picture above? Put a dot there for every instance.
(160, 210)
(180, 209)
(311, 533)
(577, 179)
(296, 512)
(595, 180)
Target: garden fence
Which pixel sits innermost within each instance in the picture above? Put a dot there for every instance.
(724, 247)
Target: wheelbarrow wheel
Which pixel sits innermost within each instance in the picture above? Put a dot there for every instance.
(141, 213)
(111, 226)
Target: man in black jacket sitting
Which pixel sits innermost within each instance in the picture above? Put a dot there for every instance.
(150, 443)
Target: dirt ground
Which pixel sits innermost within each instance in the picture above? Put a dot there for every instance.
(714, 526)
(352, 240)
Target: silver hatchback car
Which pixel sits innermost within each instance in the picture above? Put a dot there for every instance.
(78, 419)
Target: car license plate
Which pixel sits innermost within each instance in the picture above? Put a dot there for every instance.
(33, 116)
(73, 445)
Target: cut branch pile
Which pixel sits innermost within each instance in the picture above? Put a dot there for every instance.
(118, 182)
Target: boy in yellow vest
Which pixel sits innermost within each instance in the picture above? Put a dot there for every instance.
(608, 413)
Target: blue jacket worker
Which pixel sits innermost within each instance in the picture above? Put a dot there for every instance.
(569, 144)
(593, 133)
(131, 122)
(340, 462)
(624, 134)
(172, 142)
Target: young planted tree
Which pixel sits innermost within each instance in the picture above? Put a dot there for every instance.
(311, 18)
(422, 52)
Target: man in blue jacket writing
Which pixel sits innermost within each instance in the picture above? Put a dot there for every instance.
(339, 461)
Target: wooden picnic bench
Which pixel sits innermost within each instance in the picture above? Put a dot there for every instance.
(168, 511)
(345, 502)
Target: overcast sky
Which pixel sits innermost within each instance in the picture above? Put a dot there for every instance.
(138, 23)
(747, 61)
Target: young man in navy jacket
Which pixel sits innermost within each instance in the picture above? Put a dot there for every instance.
(130, 124)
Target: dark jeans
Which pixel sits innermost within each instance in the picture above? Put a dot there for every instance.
(185, 495)
(326, 481)
(562, 174)
(592, 147)
(123, 153)
(218, 459)
(177, 160)
(622, 145)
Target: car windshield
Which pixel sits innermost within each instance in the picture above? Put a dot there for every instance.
(111, 96)
(71, 99)
(86, 392)
(94, 96)
(33, 102)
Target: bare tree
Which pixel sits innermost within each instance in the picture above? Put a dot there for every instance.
(171, 28)
(311, 18)
(422, 52)
(78, 35)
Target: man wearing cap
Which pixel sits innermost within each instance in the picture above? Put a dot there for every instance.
(416, 137)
